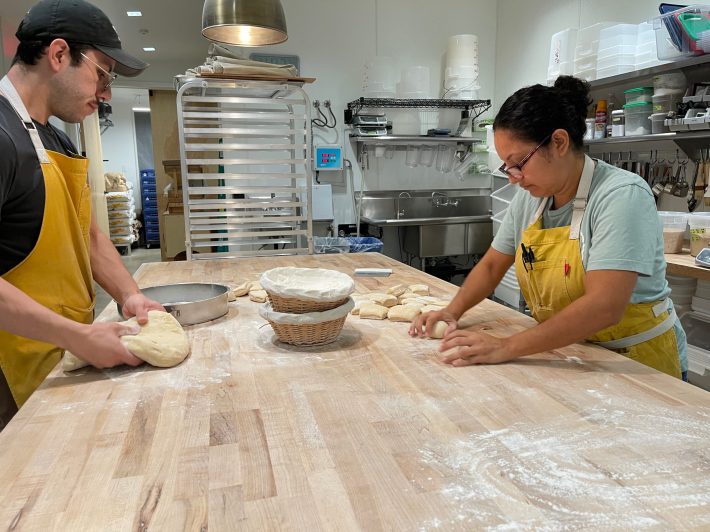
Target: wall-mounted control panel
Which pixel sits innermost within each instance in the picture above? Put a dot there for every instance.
(328, 157)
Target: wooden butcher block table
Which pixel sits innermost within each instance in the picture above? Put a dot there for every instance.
(371, 432)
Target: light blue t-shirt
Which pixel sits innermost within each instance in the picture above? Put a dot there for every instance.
(620, 230)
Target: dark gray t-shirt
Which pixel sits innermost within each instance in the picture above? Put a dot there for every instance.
(22, 193)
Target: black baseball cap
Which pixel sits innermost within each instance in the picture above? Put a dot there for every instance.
(78, 22)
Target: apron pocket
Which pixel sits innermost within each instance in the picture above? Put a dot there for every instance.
(548, 287)
(78, 314)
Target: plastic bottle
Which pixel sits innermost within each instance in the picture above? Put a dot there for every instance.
(600, 120)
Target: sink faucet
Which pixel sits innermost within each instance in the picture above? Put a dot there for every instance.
(403, 194)
(439, 199)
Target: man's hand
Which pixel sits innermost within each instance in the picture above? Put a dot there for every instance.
(100, 345)
(138, 305)
(468, 347)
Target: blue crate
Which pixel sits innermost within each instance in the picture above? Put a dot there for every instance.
(360, 244)
(148, 172)
(150, 211)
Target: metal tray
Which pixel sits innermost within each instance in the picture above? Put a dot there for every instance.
(191, 303)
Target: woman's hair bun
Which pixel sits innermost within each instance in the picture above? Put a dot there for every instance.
(575, 92)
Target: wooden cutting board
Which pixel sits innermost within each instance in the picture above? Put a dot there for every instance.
(371, 432)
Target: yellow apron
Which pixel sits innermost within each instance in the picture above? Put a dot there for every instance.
(57, 272)
(555, 277)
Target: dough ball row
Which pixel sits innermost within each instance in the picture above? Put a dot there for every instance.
(400, 303)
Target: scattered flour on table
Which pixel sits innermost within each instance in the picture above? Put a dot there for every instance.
(561, 476)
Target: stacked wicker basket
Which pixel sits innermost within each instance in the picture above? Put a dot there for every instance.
(307, 306)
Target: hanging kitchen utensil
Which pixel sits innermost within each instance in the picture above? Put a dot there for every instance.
(692, 202)
(682, 186)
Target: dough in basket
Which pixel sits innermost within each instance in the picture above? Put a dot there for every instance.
(161, 342)
(403, 313)
(372, 311)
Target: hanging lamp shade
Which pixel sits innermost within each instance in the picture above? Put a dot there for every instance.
(244, 22)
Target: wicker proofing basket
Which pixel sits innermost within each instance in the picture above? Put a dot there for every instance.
(313, 328)
(311, 334)
(294, 305)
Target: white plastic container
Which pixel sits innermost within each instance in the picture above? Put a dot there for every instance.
(658, 123)
(588, 39)
(699, 223)
(674, 224)
(671, 83)
(617, 123)
(414, 82)
(561, 61)
(501, 198)
(618, 35)
(636, 119)
(462, 50)
(380, 79)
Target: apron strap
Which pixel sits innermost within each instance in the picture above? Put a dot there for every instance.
(8, 90)
(580, 199)
(650, 334)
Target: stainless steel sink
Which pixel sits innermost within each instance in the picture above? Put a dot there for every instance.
(436, 223)
(425, 207)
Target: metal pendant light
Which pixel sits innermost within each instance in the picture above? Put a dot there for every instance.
(244, 22)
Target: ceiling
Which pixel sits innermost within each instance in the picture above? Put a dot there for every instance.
(173, 28)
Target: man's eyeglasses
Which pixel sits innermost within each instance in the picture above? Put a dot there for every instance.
(106, 78)
(516, 171)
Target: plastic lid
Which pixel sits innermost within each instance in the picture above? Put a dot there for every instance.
(637, 104)
(673, 218)
(639, 89)
(699, 219)
(617, 112)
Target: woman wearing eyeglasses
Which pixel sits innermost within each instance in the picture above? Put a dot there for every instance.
(585, 240)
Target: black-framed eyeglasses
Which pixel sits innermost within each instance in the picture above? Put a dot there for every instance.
(105, 77)
(516, 170)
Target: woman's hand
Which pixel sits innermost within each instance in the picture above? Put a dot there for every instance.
(138, 305)
(424, 323)
(470, 347)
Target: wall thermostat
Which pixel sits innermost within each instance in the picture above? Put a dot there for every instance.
(328, 157)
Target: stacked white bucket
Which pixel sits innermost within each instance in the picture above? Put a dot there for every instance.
(461, 72)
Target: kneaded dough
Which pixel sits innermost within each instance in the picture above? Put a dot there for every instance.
(258, 295)
(386, 300)
(397, 290)
(431, 308)
(419, 289)
(161, 342)
(358, 303)
(403, 313)
(255, 286)
(438, 330)
(413, 304)
(372, 311)
(242, 289)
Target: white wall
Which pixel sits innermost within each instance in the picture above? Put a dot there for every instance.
(119, 142)
(334, 41)
(523, 40)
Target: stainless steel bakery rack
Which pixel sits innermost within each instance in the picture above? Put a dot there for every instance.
(245, 154)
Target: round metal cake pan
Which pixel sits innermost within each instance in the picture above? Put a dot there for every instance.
(191, 303)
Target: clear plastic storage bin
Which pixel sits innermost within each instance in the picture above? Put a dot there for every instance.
(680, 33)
(639, 94)
(636, 119)
(674, 224)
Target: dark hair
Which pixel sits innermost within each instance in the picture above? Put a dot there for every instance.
(532, 113)
(29, 52)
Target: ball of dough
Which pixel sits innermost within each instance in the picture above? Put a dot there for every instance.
(438, 330)
(372, 311)
(431, 308)
(419, 289)
(161, 342)
(386, 300)
(257, 295)
(254, 286)
(242, 289)
(403, 313)
(397, 290)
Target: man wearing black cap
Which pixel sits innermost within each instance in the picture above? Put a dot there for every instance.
(50, 246)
